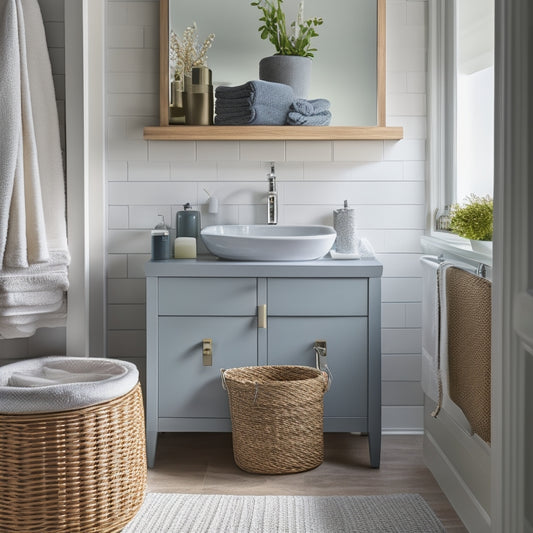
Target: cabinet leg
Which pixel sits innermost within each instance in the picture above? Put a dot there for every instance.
(374, 448)
(151, 445)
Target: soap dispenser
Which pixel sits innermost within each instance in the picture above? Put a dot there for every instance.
(161, 241)
(188, 228)
(188, 222)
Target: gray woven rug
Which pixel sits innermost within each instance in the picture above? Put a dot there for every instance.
(211, 513)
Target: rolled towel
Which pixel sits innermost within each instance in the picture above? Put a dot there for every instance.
(310, 107)
(297, 119)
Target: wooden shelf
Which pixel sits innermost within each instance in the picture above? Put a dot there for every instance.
(270, 133)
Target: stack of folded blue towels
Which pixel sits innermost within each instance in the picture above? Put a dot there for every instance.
(267, 103)
(256, 102)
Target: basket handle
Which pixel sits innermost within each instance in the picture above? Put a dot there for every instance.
(223, 378)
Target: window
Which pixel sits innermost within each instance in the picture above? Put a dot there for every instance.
(461, 100)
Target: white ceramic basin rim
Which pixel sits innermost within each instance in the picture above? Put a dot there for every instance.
(269, 243)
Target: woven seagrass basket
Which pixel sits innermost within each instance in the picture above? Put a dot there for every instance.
(277, 417)
(79, 471)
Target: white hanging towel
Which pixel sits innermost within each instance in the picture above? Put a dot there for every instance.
(430, 328)
(32, 189)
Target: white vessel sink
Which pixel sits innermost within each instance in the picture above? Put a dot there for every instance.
(268, 243)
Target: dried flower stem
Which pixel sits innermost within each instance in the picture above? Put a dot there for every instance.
(186, 53)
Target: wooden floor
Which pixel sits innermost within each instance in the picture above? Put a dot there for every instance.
(203, 463)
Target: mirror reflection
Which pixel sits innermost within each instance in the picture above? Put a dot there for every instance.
(344, 67)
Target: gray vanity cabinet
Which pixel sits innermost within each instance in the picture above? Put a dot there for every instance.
(193, 301)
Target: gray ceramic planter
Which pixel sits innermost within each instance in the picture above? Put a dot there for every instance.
(290, 70)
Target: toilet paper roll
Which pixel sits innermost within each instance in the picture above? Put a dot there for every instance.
(344, 223)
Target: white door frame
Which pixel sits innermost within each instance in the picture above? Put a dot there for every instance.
(86, 198)
(513, 228)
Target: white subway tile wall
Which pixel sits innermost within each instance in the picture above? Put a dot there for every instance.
(46, 341)
(383, 180)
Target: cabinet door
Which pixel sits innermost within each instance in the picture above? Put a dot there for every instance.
(291, 340)
(187, 388)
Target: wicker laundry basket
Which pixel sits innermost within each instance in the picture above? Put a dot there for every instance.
(277, 417)
(73, 471)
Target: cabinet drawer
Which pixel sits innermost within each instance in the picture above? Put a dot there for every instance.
(187, 388)
(208, 296)
(317, 297)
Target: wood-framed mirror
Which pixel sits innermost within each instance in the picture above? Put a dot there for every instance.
(164, 131)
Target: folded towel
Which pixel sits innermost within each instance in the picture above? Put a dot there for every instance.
(17, 312)
(298, 119)
(26, 325)
(259, 91)
(258, 114)
(47, 280)
(310, 107)
(255, 103)
(56, 383)
(232, 106)
(364, 250)
(344, 255)
(30, 298)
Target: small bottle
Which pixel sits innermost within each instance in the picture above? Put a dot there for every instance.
(443, 220)
(161, 241)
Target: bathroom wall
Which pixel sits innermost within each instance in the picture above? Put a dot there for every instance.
(383, 180)
(46, 341)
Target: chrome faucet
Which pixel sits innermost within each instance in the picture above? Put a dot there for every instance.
(272, 200)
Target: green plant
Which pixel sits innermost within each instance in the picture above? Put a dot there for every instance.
(274, 28)
(473, 220)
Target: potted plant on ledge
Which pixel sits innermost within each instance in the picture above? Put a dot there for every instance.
(473, 221)
(291, 64)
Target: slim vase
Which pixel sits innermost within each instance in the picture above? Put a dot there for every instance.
(198, 97)
(176, 111)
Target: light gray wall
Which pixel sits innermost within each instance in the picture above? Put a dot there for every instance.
(383, 180)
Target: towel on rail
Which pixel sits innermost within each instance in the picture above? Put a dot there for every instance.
(430, 328)
(468, 305)
(32, 188)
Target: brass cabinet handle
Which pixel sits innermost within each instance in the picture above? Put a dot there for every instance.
(262, 316)
(207, 352)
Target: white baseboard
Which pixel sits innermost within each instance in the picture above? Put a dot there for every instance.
(468, 508)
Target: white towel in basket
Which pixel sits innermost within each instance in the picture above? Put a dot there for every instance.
(58, 383)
